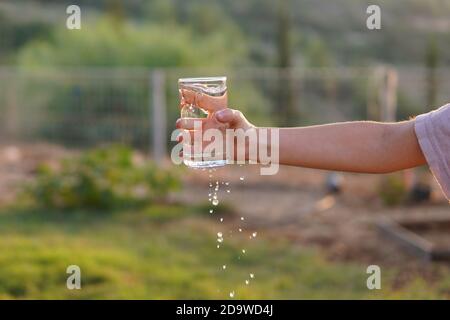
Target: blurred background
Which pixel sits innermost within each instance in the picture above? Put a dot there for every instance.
(85, 173)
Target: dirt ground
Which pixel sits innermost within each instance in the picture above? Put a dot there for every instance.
(295, 205)
(292, 204)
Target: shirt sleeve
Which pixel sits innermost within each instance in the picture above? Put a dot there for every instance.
(433, 133)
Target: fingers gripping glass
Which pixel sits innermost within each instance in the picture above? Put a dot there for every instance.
(199, 89)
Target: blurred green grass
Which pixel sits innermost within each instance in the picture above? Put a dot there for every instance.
(139, 255)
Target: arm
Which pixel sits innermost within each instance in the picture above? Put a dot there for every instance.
(368, 147)
(352, 146)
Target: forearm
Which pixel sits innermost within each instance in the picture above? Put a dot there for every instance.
(368, 147)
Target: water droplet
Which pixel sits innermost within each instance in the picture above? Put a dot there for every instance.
(219, 234)
(209, 194)
(243, 251)
(227, 183)
(218, 246)
(232, 294)
(242, 218)
(228, 191)
(252, 275)
(242, 178)
(254, 234)
(224, 267)
(215, 202)
(240, 230)
(220, 240)
(221, 219)
(210, 185)
(247, 282)
(211, 211)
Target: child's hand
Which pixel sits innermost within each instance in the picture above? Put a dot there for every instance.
(219, 115)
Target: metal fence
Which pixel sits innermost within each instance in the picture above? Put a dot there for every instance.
(84, 107)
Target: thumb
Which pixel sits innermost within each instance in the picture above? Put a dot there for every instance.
(227, 116)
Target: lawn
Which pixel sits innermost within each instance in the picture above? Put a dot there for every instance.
(169, 252)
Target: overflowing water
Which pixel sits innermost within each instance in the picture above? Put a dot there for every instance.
(214, 199)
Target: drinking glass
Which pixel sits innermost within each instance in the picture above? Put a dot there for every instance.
(211, 86)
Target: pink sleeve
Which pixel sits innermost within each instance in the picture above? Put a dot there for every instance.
(433, 133)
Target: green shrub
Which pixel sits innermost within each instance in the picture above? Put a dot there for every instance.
(393, 190)
(69, 100)
(105, 178)
(105, 43)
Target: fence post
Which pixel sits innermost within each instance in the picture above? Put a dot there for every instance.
(373, 94)
(389, 99)
(382, 95)
(157, 114)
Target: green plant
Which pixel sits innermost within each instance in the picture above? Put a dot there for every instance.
(392, 190)
(69, 100)
(128, 256)
(105, 178)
